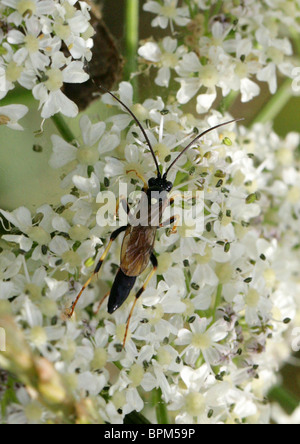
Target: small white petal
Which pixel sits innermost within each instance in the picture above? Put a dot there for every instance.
(91, 133)
(24, 242)
(58, 102)
(63, 152)
(163, 77)
(249, 89)
(60, 224)
(21, 218)
(108, 143)
(188, 89)
(88, 185)
(74, 73)
(150, 51)
(205, 101)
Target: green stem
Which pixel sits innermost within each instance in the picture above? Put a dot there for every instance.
(286, 399)
(296, 41)
(275, 104)
(191, 8)
(218, 7)
(63, 128)
(118, 365)
(217, 300)
(132, 36)
(160, 407)
(227, 102)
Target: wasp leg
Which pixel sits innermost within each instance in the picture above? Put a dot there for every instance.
(182, 197)
(173, 220)
(176, 218)
(113, 237)
(101, 302)
(138, 294)
(123, 201)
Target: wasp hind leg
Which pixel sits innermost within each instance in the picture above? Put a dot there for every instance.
(138, 294)
(113, 237)
(101, 302)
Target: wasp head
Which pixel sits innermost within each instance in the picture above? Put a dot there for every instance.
(159, 184)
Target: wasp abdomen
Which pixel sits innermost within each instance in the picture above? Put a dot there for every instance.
(121, 288)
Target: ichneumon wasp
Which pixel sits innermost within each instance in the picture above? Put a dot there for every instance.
(138, 243)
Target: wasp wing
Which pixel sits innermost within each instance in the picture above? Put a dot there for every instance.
(136, 250)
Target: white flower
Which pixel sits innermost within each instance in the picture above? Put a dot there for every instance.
(275, 52)
(13, 71)
(203, 338)
(207, 76)
(92, 383)
(166, 58)
(32, 52)
(33, 45)
(20, 218)
(192, 402)
(52, 100)
(95, 142)
(134, 161)
(10, 114)
(74, 28)
(209, 333)
(159, 302)
(256, 305)
(63, 152)
(26, 410)
(31, 8)
(167, 12)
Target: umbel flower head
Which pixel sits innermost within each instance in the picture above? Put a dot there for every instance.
(32, 50)
(212, 328)
(209, 326)
(227, 51)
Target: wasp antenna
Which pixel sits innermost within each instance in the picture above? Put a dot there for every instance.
(138, 123)
(195, 140)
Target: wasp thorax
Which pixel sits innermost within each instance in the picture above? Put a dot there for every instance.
(159, 184)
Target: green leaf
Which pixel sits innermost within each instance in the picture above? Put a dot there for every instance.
(286, 399)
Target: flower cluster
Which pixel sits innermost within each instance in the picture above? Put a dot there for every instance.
(44, 44)
(208, 333)
(228, 49)
(211, 330)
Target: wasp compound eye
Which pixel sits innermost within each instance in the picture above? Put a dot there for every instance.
(152, 182)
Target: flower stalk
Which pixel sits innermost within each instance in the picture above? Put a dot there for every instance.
(275, 104)
(132, 36)
(63, 128)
